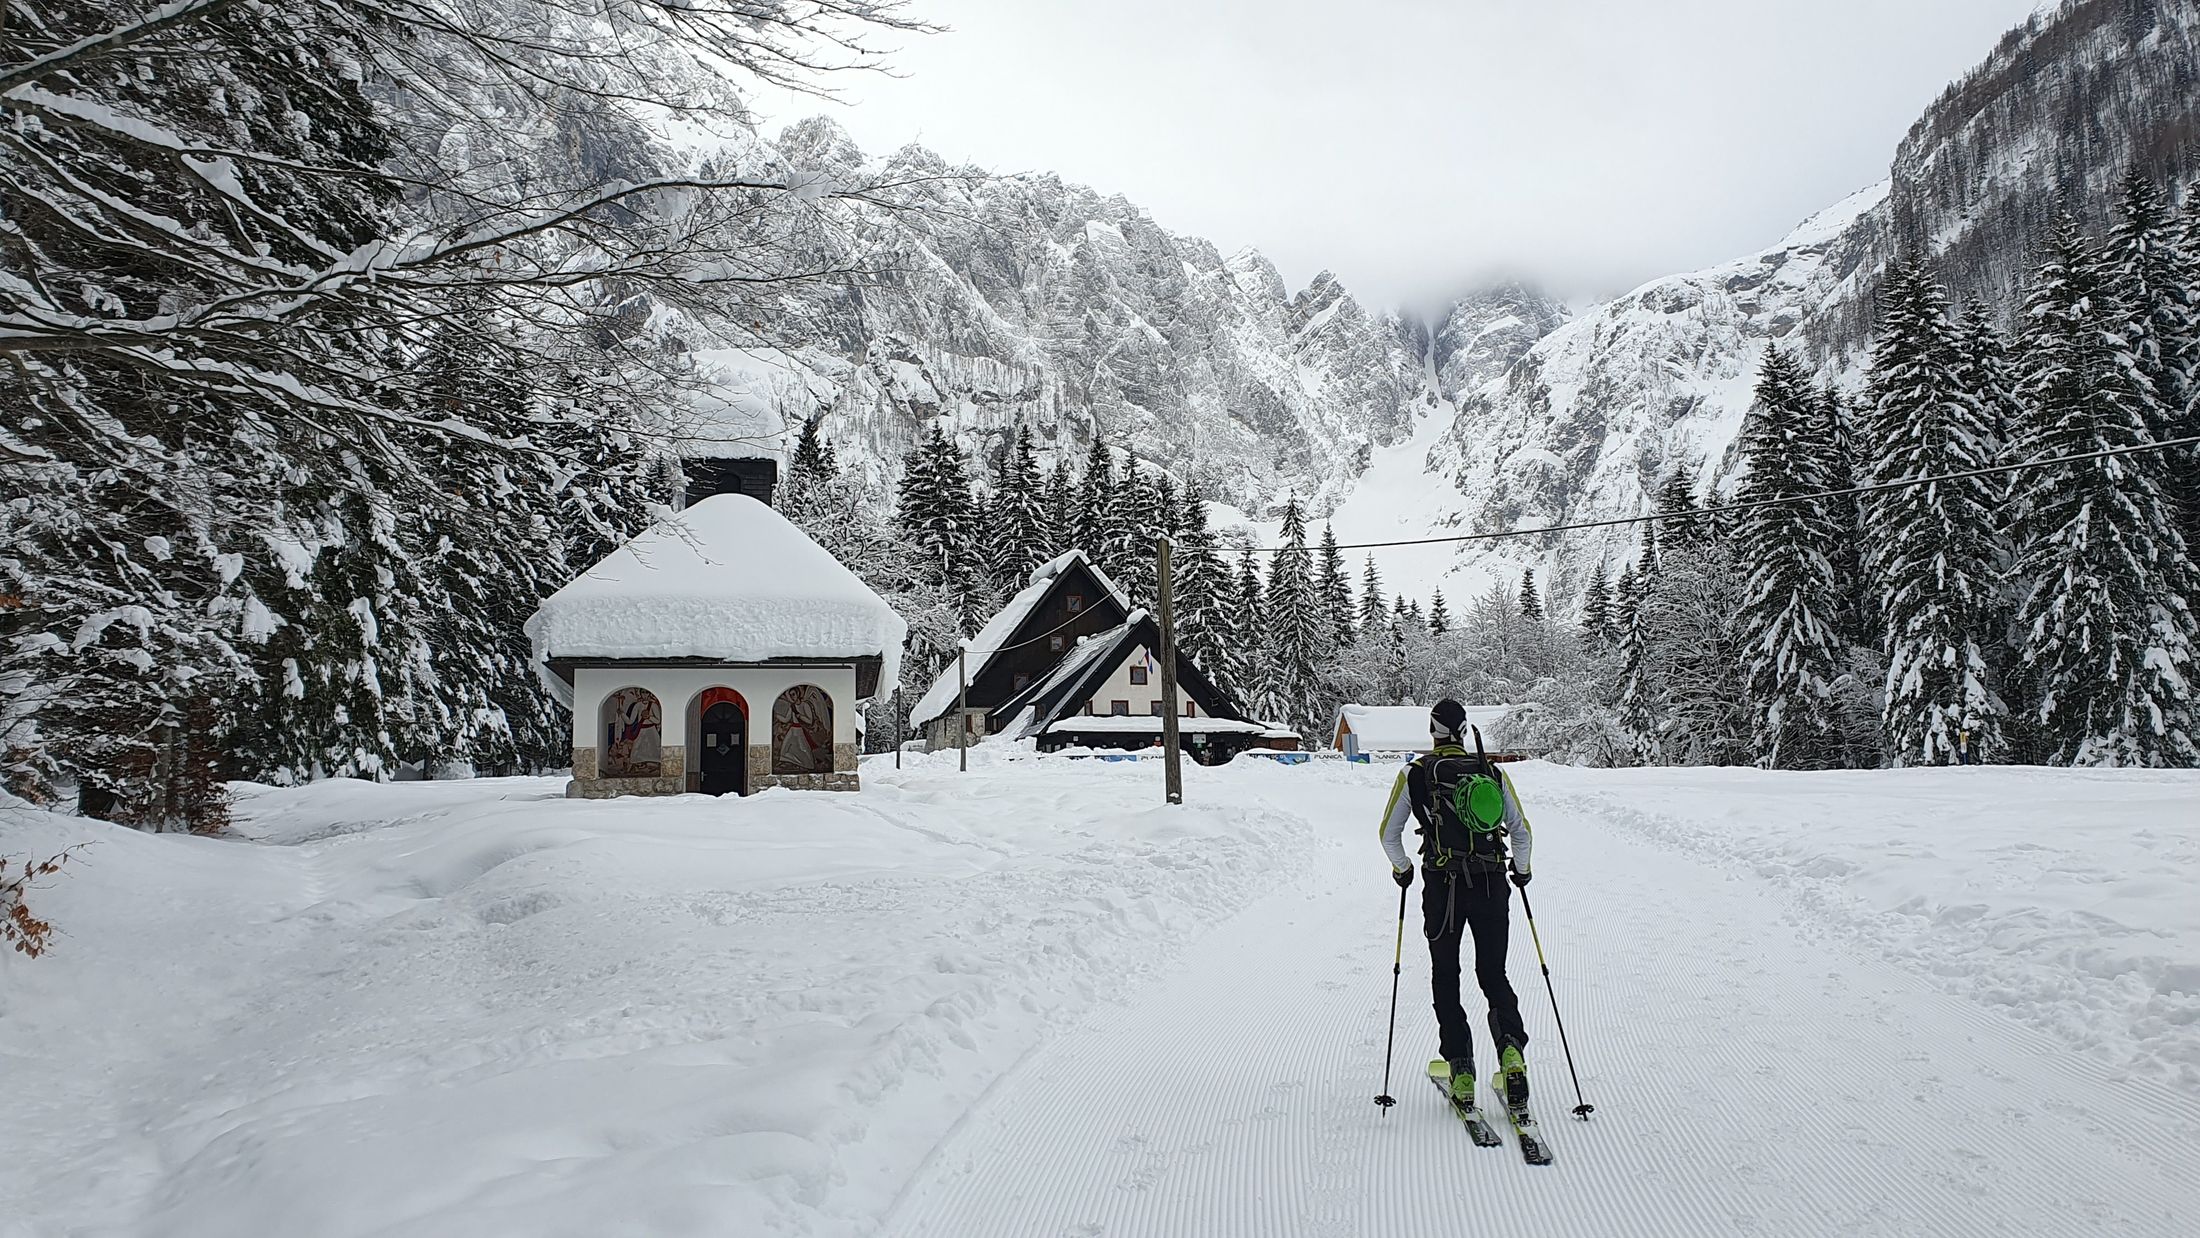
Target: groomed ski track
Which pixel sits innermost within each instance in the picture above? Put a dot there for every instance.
(1752, 1075)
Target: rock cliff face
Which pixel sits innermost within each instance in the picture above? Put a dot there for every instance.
(1030, 300)
(1587, 423)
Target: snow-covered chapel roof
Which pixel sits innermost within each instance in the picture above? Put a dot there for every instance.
(727, 579)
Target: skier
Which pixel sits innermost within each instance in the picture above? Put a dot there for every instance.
(1465, 893)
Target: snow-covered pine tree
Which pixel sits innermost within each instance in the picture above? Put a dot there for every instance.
(1201, 591)
(1247, 649)
(1334, 587)
(1597, 620)
(1098, 513)
(1598, 610)
(1373, 618)
(1681, 517)
(1020, 508)
(1439, 615)
(1639, 688)
(1859, 616)
(1937, 554)
(1136, 551)
(1299, 635)
(936, 520)
(2155, 267)
(2101, 572)
(1790, 618)
(1061, 511)
(2151, 272)
(1531, 601)
(1985, 370)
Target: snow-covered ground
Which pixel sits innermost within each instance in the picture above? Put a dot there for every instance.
(1031, 1000)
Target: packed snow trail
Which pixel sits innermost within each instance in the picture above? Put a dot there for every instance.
(1751, 1076)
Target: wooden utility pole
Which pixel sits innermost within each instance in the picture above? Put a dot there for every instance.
(962, 708)
(1172, 760)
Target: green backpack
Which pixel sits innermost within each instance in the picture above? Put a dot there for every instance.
(1469, 804)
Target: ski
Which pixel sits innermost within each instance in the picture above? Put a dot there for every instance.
(1532, 1148)
(1478, 1127)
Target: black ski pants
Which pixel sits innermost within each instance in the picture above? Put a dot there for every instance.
(1455, 906)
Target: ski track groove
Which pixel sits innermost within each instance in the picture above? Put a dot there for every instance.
(1751, 1076)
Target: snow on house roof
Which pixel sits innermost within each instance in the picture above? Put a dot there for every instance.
(729, 579)
(1404, 728)
(940, 697)
(1144, 723)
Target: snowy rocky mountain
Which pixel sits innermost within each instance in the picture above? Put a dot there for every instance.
(1603, 407)
(1030, 300)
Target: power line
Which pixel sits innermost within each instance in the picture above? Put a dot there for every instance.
(1875, 487)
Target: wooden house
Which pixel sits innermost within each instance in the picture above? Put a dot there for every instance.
(1106, 694)
(1066, 600)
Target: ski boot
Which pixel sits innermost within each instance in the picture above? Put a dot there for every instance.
(1512, 1077)
(1462, 1081)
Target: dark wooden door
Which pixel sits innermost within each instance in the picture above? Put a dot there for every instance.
(725, 750)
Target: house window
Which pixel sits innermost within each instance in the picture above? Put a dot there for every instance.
(1054, 644)
(1190, 712)
(1022, 682)
(1138, 675)
(1119, 709)
(1088, 709)
(1156, 709)
(1075, 601)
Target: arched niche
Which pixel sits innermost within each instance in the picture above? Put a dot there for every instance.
(802, 731)
(631, 724)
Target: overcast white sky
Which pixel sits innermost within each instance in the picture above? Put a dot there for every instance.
(1416, 146)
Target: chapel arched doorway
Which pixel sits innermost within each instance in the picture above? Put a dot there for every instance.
(722, 743)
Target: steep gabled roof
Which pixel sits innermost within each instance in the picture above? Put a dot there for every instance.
(1001, 629)
(1071, 683)
(727, 579)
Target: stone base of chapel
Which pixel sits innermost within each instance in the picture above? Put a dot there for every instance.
(671, 779)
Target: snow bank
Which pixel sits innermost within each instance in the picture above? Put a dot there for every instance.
(479, 1009)
(2063, 898)
(727, 578)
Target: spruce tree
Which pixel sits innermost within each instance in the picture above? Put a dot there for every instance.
(1201, 592)
(1020, 507)
(2155, 266)
(1061, 512)
(1984, 370)
(2151, 272)
(1439, 615)
(1373, 618)
(1248, 648)
(1859, 615)
(1790, 619)
(1134, 550)
(1938, 554)
(1097, 515)
(2101, 572)
(1298, 633)
(1596, 610)
(1681, 515)
(1531, 602)
(1334, 587)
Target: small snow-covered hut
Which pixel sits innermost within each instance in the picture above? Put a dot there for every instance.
(720, 650)
(1362, 731)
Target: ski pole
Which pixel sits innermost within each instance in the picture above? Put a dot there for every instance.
(1397, 958)
(1583, 1108)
